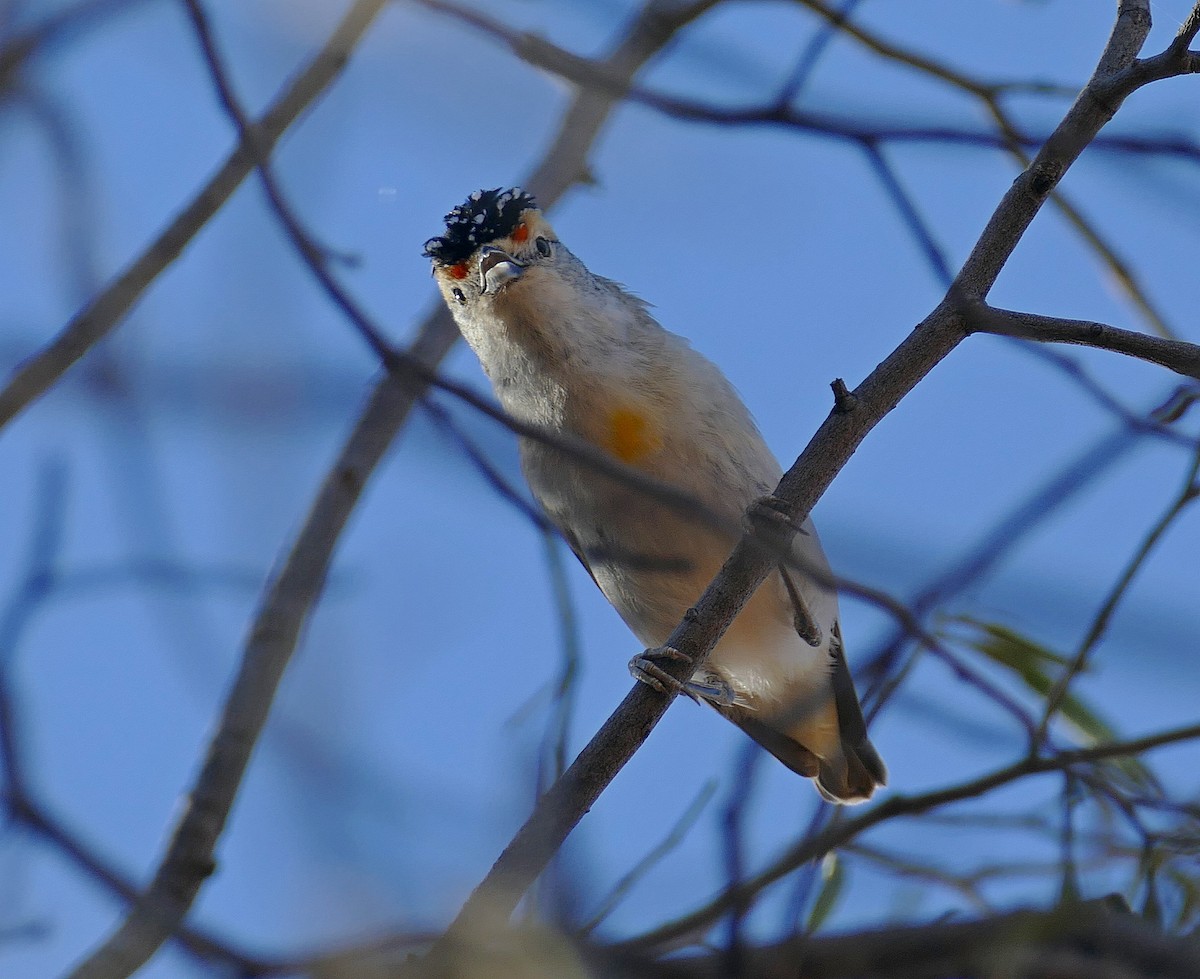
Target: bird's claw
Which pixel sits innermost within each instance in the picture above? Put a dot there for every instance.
(645, 668)
(770, 517)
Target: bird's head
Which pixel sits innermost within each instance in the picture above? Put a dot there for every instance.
(493, 240)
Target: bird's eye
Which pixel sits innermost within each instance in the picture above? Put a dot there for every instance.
(458, 295)
(458, 271)
(543, 246)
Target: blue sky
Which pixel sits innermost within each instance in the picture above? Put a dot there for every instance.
(400, 756)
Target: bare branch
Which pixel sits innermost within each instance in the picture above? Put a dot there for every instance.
(544, 55)
(690, 928)
(60, 26)
(1176, 355)
(989, 95)
(91, 324)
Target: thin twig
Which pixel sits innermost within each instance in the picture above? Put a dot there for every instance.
(628, 881)
(98, 318)
(1187, 495)
(1176, 355)
(689, 928)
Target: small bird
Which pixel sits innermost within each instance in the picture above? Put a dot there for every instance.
(578, 356)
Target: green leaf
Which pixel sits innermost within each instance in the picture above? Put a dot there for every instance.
(833, 876)
(1189, 895)
(1032, 662)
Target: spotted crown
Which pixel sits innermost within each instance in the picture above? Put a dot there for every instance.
(484, 216)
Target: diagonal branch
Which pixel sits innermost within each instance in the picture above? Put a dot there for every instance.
(100, 316)
(1186, 496)
(830, 448)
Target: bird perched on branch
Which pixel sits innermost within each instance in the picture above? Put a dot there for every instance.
(578, 356)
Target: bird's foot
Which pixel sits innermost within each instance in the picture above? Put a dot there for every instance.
(646, 668)
(712, 688)
(770, 518)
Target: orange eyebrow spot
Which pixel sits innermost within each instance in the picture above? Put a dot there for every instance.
(458, 271)
(521, 233)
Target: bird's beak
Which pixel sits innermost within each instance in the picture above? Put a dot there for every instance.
(497, 269)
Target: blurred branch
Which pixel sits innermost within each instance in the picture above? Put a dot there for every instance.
(691, 927)
(41, 579)
(628, 881)
(1187, 495)
(811, 55)
(19, 47)
(294, 591)
(552, 754)
(909, 868)
(990, 95)
(830, 448)
(1073, 941)
(542, 54)
(91, 324)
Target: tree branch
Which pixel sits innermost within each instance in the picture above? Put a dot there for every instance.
(1072, 941)
(98, 318)
(684, 931)
(830, 448)
(1175, 355)
(990, 95)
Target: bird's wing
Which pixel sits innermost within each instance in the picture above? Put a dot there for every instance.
(577, 550)
(851, 725)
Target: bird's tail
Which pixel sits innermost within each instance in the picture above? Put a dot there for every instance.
(863, 770)
(825, 739)
(847, 771)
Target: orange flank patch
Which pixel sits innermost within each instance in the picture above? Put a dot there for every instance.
(631, 435)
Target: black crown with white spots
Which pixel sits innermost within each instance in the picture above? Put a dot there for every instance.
(484, 216)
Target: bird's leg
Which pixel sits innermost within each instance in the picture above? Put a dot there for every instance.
(769, 519)
(646, 669)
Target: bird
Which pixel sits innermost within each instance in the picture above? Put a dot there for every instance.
(578, 357)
